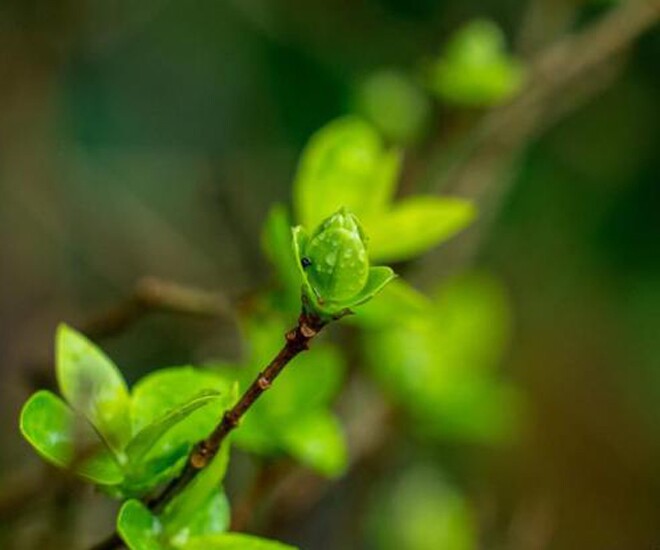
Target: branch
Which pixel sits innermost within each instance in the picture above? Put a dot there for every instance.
(297, 341)
(152, 294)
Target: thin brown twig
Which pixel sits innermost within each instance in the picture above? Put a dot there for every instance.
(297, 340)
(151, 294)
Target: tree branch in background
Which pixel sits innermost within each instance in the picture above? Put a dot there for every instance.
(156, 295)
(580, 63)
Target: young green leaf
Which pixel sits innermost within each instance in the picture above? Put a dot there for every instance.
(139, 528)
(415, 225)
(146, 439)
(172, 409)
(93, 385)
(344, 164)
(234, 541)
(166, 390)
(66, 439)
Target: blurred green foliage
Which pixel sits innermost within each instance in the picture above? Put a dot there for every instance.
(418, 510)
(441, 364)
(346, 164)
(167, 412)
(475, 69)
(395, 104)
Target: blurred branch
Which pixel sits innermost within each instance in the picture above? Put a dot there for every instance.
(149, 295)
(562, 77)
(155, 295)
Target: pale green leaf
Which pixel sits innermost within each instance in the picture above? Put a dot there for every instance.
(415, 225)
(66, 439)
(93, 385)
(165, 390)
(156, 399)
(146, 439)
(345, 164)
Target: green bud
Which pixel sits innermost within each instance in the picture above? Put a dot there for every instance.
(334, 265)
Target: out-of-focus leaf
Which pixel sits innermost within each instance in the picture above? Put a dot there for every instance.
(317, 440)
(439, 365)
(475, 69)
(139, 528)
(398, 302)
(66, 439)
(392, 101)
(479, 409)
(344, 165)
(468, 309)
(93, 385)
(186, 403)
(419, 511)
(415, 225)
(234, 541)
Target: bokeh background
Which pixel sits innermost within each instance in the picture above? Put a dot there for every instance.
(152, 138)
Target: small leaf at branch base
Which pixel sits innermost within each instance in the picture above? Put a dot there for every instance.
(58, 434)
(144, 441)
